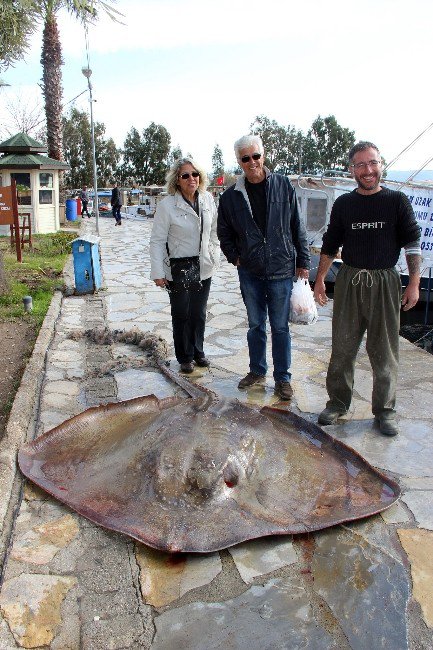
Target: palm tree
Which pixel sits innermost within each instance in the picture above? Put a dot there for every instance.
(18, 18)
(86, 11)
(52, 90)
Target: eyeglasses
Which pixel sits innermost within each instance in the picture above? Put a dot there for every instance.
(186, 175)
(362, 165)
(255, 156)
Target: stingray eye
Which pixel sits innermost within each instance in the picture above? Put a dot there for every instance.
(230, 476)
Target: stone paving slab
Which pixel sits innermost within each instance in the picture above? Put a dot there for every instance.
(67, 583)
(275, 615)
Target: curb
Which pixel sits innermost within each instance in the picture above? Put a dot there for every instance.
(22, 416)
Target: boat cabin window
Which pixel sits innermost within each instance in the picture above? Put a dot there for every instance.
(316, 214)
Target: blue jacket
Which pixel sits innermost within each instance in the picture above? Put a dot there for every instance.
(285, 246)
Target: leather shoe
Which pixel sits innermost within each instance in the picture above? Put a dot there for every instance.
(187, 367)
(250, 379)
(330, 415)
(283, 389)
(203, 362)
(387, 425)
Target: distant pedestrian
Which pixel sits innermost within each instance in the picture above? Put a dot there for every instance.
(262, 234)
(84, 196)
(372, 224)
(184, 253)
(116, 204)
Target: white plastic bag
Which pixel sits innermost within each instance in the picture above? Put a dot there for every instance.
(303, 309)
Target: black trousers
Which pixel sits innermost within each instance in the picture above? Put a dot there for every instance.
(84, 208)
(188, 315)
(116, 213)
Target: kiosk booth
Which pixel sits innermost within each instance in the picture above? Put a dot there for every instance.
(37, 179)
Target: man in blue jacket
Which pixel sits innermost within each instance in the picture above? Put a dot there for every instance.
(261, 233)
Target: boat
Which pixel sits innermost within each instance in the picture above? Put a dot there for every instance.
(316, 195)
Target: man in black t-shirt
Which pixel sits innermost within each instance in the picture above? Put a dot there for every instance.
(371, 224)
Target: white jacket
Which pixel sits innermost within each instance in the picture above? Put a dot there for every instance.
(178, 225)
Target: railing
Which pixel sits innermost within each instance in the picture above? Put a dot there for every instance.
(429, 288)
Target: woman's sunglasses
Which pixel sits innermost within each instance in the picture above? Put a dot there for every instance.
(187, 175)
(255, 156)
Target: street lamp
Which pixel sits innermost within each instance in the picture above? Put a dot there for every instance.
(87, 73)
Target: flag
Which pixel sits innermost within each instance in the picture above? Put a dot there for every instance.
(220, 180)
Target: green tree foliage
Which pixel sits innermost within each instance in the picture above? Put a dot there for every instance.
(309, 162)
(21, 18)
(281, 143)
(17, 24)
(131, 157)
(331, 141)
(217, 163)
(107, 156)
(145, 157)
(289, 151)
(174, 155)
(78, 151)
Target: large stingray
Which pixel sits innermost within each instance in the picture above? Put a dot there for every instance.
(201, 473)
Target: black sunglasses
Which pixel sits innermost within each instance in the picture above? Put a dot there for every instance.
(187, 175)
(255, 156)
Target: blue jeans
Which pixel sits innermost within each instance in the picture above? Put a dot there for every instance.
(263, 297)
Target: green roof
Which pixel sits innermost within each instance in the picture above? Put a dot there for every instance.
(30, 161)
(22, 143)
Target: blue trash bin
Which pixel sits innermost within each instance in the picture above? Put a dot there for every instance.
(85, 251)
(71, 209)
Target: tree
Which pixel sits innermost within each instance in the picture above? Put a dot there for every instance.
(131, 157)
(17, 21)
(331, 141)
(310, 156)
(281, 144)
(51, 60)
(78, 151)
(24, 114)
(107, 156)
(46, 11)
(174, 155)
(217, 163)
(145, 158)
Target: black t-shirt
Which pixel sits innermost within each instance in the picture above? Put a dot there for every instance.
(371, 228)
(257, 196)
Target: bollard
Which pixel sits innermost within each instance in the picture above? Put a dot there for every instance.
(28, 303)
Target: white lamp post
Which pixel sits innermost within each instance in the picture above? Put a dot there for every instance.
(87, 73)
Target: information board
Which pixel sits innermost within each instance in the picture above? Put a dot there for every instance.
(6, 206)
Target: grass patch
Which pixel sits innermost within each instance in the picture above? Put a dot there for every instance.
(38, 276)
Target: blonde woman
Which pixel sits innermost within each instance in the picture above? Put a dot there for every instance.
(184, 252)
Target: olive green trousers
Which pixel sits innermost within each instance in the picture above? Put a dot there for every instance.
(365, 301)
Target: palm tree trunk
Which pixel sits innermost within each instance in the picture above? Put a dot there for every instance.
(52, 61)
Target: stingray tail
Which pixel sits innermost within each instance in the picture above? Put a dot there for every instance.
(157, 351)
(193, 390)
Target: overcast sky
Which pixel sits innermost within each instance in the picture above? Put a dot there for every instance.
(205, 69)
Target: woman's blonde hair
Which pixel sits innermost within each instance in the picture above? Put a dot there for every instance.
(172, 177)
